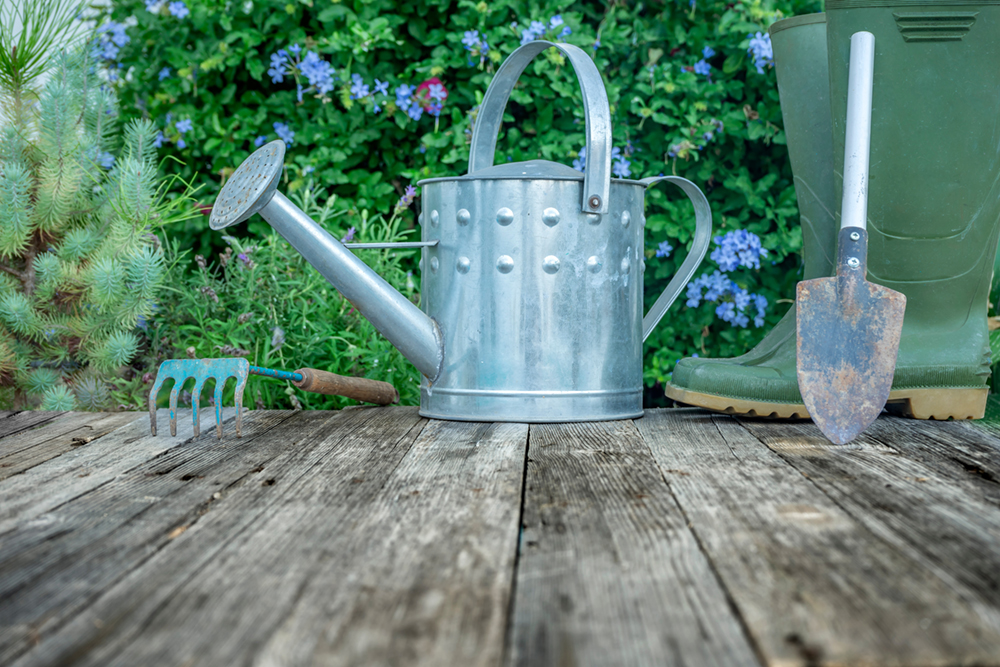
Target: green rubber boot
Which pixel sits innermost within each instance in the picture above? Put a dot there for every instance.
(933, 203)
(763, 381)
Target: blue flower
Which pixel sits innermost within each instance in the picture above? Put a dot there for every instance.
(621, 168)
(318, 72)
(277, 71)
(349, 236)
(308, 169)
(154, 6)
(158, 140)
(294, 49)
(738, 248)
(376, 109)
(381, 87)
(106, 160)
(259, 141)
(556, 21)
(707, 52)
(184, 125)
(707, 136)
(164, 73)
(471, 39)
(359, 88)
(436, 91)
(760, 49)
(580, 164)
(415, 112)
(435, 109)
(284, 133)
(178, 9)
(566, 32)
(404, 96)
(181, 143)
(703, 68)
(664, 249)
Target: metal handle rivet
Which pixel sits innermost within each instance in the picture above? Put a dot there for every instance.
(505, 264)
(853, 262)
(550, 217)
(505, 216)
(593, 264)
(855, 236)
(434, 218)
(594, 201)
(463, 265)
(626, 218)
(463, 216)
(550, 264)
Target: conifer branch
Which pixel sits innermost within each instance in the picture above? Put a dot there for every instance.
(14, 272)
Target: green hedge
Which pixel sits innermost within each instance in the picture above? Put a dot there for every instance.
(686, 96)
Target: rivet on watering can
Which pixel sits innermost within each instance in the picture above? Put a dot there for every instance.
(420, 219)
(626, 265)
(642, 220)
(463, 216)
(505, 216)
(505, 264)
(435, 264)
(593, 264)
(642, 266)
(594, 201)
(855, 236)
(463, 265)
(593, 218)
(550, 264)
(853, 262)
(626, 218)
(550, 217)
(434, 218)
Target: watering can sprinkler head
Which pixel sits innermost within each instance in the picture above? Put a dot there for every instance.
(253, 189)
(250, 188)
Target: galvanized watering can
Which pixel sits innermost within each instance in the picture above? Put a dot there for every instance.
(532, 272)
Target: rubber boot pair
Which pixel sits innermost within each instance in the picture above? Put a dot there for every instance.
(933, 204)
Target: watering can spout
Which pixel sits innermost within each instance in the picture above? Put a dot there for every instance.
(253, 189)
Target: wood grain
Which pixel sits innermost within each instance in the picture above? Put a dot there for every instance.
(424, 575)
(609, 573)
(812, 584)
(903, 485)
(14, 422)
(44, 487)
(74, 429)
(216, 589)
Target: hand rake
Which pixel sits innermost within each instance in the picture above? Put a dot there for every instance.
(309, 379)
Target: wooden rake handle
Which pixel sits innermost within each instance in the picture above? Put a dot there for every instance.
(360, 389)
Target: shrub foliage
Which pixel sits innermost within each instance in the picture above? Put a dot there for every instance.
(372, 96)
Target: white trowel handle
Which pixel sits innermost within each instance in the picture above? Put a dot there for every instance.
(854, 206)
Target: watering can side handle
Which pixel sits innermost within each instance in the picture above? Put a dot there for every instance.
(597, 113)
(702, 238)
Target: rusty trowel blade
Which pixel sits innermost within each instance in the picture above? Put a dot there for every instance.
(848, 333)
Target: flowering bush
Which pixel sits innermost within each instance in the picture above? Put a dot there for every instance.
(374, 96)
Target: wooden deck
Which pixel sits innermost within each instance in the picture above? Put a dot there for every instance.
(371, 536)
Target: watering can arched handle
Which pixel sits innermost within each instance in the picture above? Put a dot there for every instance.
(702, 237)
(597, 178)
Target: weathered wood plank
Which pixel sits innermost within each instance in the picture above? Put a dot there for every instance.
(812, 584)
(424, 576)
(214, 592)
(44, 487)
(30, 448)
(609, 572)
(890, 481)
(59, 561)
(14, 422)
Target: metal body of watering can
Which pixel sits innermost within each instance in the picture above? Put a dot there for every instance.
(532, 289)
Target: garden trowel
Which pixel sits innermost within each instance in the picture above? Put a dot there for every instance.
(848, 329)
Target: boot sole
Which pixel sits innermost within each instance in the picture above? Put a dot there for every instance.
(937, 404)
